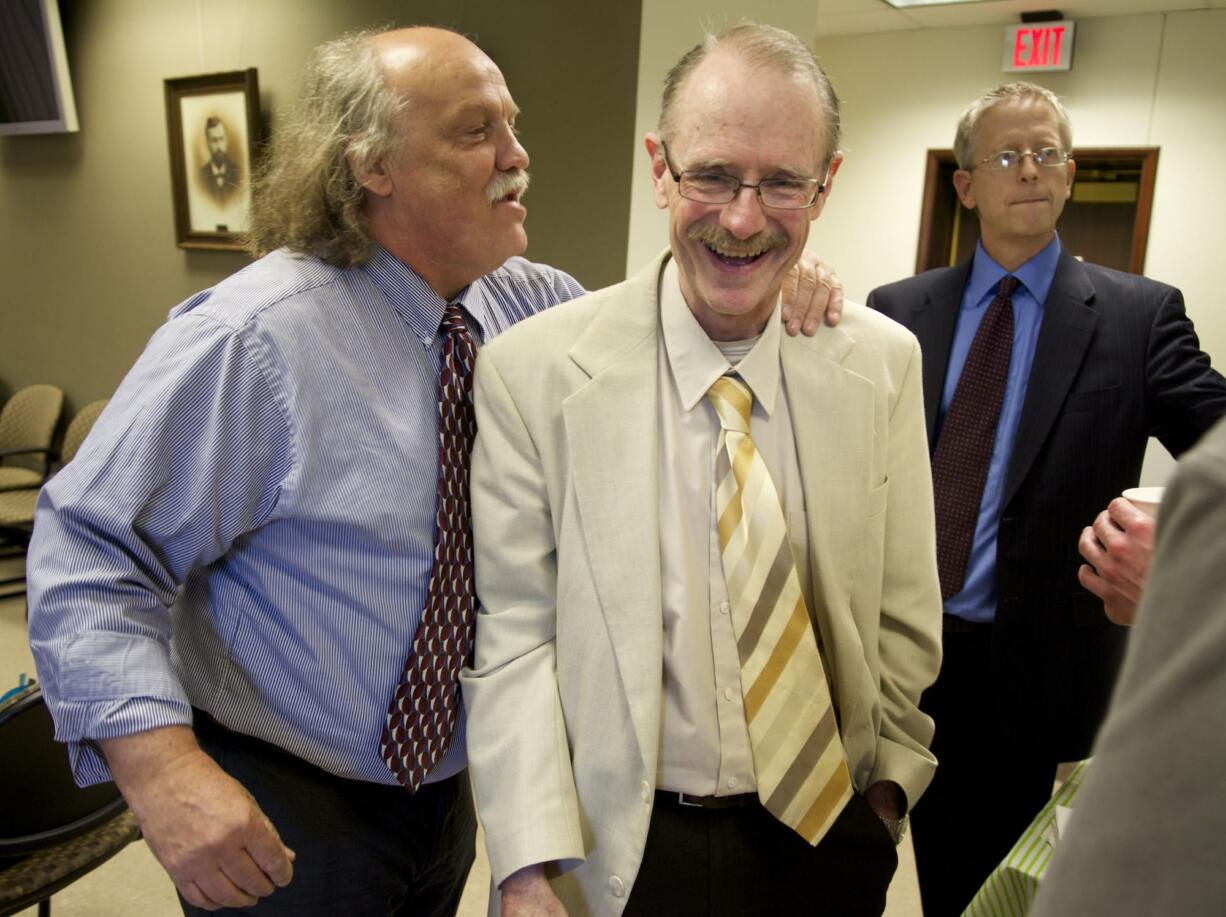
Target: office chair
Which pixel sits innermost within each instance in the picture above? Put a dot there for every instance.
(17, 506)
(27, 424)
(53, 831)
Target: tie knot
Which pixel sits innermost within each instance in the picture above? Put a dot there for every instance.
(1008, 284)
(733, 402)
(453, 319)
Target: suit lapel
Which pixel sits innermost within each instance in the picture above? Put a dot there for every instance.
(1064, 336)
(933, 323)
(613, 440)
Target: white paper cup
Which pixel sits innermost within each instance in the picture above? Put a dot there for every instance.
(1146, 499)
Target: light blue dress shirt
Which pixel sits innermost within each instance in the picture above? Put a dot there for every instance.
(977, 600)
(249, 527)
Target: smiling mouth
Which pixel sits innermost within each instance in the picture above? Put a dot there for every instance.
(734, 259)
(732, 252)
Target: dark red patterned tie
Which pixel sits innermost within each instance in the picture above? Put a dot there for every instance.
(967, 437)
(422, 716)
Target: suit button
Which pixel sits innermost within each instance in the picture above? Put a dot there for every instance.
(616, 886)
(645, 791)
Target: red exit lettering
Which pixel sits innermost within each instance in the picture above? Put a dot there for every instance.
(1037, 47)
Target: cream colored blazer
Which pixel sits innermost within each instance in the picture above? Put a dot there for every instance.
(565, 694)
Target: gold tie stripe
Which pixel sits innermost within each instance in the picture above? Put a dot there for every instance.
(798, 756)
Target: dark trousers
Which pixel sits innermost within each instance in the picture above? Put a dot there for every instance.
(363, 849)
(987, 788)
(742, 862)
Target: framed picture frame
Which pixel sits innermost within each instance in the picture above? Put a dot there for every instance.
(212, 123)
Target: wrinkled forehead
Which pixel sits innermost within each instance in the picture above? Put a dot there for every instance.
(727, 108)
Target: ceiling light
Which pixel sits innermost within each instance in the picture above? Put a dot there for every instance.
(904, 4)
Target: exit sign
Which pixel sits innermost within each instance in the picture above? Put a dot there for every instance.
(1039, 46)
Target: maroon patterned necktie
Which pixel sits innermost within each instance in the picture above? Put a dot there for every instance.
(422, 716)
(967, 438)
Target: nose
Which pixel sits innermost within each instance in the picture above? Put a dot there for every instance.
(511, 154)
(1027, 169)
(743, 215)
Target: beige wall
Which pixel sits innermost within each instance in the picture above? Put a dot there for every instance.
(88, 264)
(1153, 80)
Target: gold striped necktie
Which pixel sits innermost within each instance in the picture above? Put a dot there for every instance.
(798, 756)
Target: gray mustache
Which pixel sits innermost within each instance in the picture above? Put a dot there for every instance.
(515, 181)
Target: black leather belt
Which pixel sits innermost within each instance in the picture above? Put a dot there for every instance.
(672, 797)
(952, 624)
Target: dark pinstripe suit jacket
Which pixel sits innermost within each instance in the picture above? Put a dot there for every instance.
(1117, 361)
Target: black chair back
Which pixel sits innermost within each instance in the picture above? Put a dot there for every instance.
(42, 805)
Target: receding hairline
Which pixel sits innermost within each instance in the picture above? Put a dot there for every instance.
(761, 48)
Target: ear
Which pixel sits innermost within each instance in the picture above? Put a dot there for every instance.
(661, 178)
(962, 184)
(816, 210)
(371, 176)
(1068, 188)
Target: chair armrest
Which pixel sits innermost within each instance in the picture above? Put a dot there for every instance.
(49, 456)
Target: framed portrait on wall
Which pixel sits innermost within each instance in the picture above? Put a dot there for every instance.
(212, 123)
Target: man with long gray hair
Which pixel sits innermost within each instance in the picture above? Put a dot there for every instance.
(251, 592)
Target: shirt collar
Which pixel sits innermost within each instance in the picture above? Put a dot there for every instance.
(1036, 275)
(696, 361)
(415, 301)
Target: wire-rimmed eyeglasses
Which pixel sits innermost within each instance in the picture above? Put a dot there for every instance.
(707, 187)
(1006, 160)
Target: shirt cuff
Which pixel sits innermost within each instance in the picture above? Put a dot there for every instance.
(112, 720)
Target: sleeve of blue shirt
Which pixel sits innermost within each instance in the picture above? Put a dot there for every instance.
(194, 450)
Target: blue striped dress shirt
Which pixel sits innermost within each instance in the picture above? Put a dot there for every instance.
(977, 600)
(249, 528)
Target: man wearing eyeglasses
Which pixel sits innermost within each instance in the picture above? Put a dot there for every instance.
(705, 554)
(1043, 379)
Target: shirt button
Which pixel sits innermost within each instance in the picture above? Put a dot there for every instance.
(728, 695)
(732, 782)
(616, 886)
(723, 608)
(645, 791)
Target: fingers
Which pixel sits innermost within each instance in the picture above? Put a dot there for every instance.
(788, 300)
(247, 875)
(834, 305)
(1125, 512)
(1093, 582)
(809, 296)
(809, 290)
(1107, 531)
(274, 861)
(195, 896)
(1091, 548)
(1122, 613)
(220, 893)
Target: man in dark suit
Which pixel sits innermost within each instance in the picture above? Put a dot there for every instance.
(220, 174)
(1043, 379)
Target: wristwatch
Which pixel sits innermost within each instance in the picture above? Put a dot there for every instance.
(896, 826)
